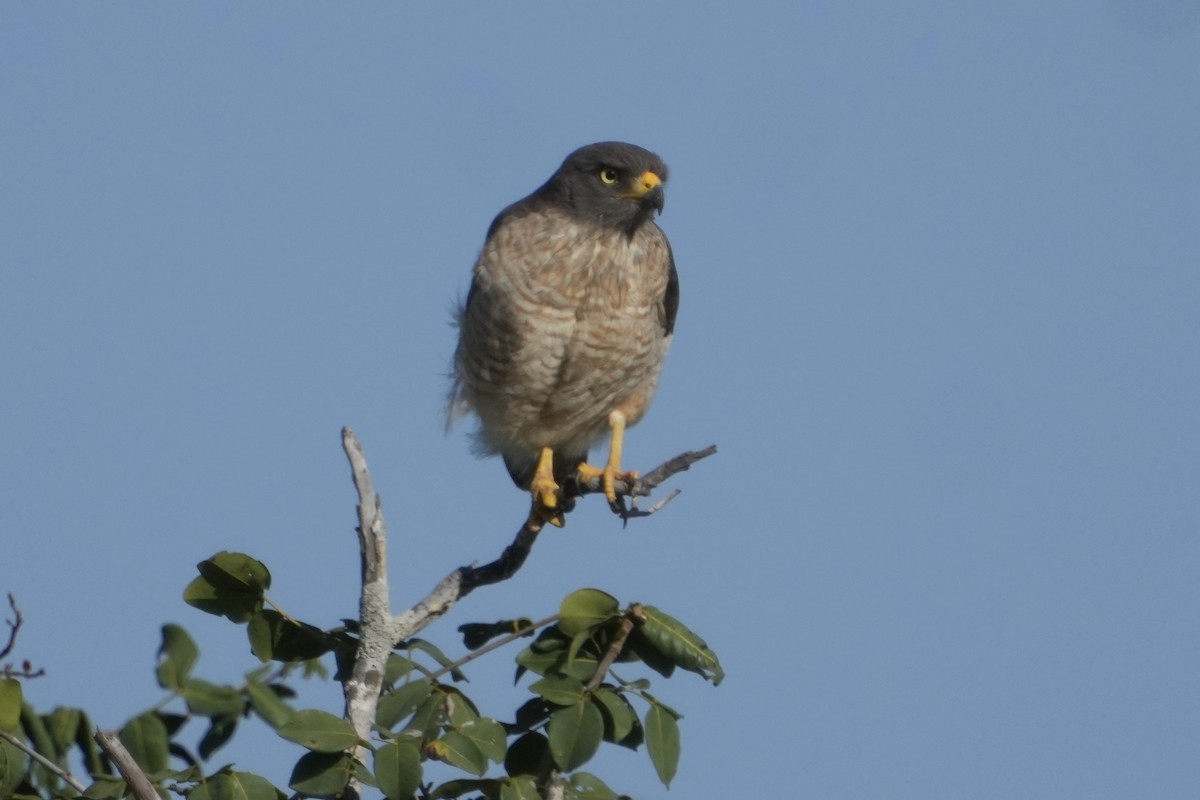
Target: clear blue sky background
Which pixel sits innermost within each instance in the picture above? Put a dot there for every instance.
(941, 312)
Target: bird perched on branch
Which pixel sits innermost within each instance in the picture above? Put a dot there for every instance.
(570, 313)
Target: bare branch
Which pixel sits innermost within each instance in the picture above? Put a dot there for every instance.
(436, 603)
(137, 781)
(634, 512)
(70, 779)
(645, 484)
(26, 670)
(490, 646)
(463, 581)
(555, 786)
(376, 635)
(504, 567)
(14, 625)
(614, 649)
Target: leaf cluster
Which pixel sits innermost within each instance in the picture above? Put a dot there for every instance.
(425, 727)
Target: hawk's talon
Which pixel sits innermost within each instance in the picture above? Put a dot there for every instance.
(545, 491)
(545, 502)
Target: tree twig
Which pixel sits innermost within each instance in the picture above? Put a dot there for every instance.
(137, 781)
(26, 669)
(490, 646)
(70, 779)
(504, 567)
(614, 649)
(14, 625)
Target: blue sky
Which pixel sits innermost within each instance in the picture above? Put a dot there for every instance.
(940, 311)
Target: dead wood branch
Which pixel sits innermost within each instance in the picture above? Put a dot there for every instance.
(137, 781)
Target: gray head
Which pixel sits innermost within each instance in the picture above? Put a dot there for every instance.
(611, 183)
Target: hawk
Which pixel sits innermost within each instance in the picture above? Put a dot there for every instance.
(568, 320)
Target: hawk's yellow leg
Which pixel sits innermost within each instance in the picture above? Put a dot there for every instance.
(545, 490)
(611, 472)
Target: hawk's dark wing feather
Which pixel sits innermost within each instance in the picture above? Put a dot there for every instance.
(671, 298)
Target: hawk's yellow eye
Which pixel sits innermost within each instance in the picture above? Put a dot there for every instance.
(608, 176)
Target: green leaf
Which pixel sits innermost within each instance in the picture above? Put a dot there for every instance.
(527, 755)
(268, 704)
(236, 572)
(677, 642)
(399, 667)
(34, 726)
(319, 730)
(560, 689)
(219, 732)
(585, 609)
(619, 716)
(230, 585)
(191, 774)
(456, 749)
(234, 605)
(638, 645)
(587, 786)
(235, 786)
(581, 667)
(210, 700)
(436, 654)
(177, 654)
(87, 745)
(145, 737)
(105, 787)
(547, 650)
(579, 642)
(62, 724)
(575, 734)
(521, 787)
(535, 662)
(398, 769)
(662, 742)
(636, 737)
(532, 713)
(321, 774)
(173, 721)
(401, 702)
(428, 719)
(460, 787)
(10, 704)
(488, 735)
(459, 708)
(12, 767)
(274, 637)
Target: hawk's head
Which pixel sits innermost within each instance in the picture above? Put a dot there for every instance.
(611, 183)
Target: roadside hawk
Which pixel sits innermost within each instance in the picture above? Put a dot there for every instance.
(565, 328)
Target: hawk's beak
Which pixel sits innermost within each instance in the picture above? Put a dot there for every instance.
(647, 189)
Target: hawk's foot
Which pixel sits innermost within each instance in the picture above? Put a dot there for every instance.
(609, 475)
(544, 489)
